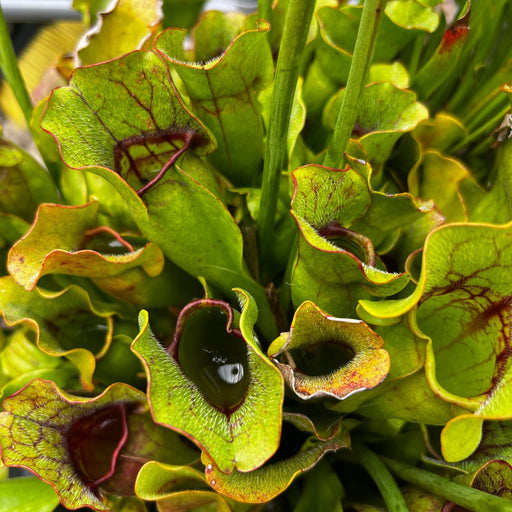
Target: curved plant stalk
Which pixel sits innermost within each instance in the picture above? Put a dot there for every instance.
(381, 476)
(296, 26)
(472, 499)
(361, 61)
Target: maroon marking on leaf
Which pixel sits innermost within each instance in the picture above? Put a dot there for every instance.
(359, 130)
(117, 450)
(453, 36)
(502, 362)
(496, 308)
(486, 307)
(335, 231)
(456, 34)
(90, 440)
(122, 148)
(168, 165)
(172, 349)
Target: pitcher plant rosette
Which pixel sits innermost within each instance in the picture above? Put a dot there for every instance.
(261, 262)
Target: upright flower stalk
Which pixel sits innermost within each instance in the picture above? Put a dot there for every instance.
(361, 61)
(296, 26)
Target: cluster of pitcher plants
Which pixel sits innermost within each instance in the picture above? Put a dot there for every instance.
(263, 263)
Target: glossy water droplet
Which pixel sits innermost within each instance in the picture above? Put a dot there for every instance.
(215, 360)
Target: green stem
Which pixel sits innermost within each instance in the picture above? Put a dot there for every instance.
(11, 71)
(295, 31)
(472, 499)
(361, 61)
(381, 476)
(415, 57)
(265, 10)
